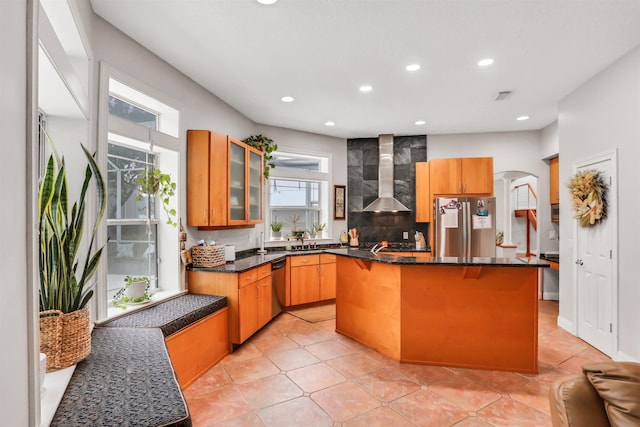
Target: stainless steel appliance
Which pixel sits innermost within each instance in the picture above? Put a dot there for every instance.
(465, 227)
(278, 281)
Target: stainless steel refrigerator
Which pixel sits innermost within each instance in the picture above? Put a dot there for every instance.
(465, 227)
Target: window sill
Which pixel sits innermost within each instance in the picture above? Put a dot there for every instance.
(114, 312)
(55, 383)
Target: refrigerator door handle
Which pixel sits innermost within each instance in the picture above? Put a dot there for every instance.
(465, 229)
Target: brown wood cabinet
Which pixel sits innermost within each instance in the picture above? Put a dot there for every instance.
(471, 176)
(554, 181)
(248, 297)
(423, 192)
(224, 181)
(468, 176)
(327, 276)
(312, 278)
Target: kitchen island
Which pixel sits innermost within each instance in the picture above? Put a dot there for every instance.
(462, 312)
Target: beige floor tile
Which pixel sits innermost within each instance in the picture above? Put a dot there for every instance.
(299, 412)
(465, 393)
(327, 350)
(293, 359)
(507, 412)
(500, 381)
(270, 391)
(425, 408)
(354, 365)
(251, 370)
(378, 417)
(315, 377)
(387, 384)
(424, 374)
(272, 343)
(219, 405)
(344, 401)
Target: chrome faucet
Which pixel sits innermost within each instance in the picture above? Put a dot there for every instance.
(377, 248)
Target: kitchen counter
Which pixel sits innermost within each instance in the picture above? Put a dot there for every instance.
(390, 258)
(384, 256)
(469, 313)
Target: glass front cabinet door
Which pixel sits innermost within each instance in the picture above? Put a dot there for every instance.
(255, 186)
(245, 184)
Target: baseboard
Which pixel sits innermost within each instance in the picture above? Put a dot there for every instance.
(552, 296)
(623, 357)
(567, 325)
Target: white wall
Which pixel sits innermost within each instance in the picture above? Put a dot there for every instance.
(602, 115)
(17, 358)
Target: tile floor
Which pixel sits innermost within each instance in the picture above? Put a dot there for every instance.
(294, 373)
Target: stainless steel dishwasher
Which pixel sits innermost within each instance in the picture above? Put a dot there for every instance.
(278, 282)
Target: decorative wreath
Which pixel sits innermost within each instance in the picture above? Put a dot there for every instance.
(589, 197)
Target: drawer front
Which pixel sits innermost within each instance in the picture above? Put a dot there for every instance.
(264, 271)
(298, 261)
(247, 277)
(327, 258)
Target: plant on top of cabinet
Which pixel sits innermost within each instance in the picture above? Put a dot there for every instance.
(267, 146)
(152, 182)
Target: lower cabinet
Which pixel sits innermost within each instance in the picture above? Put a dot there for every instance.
(248, 297)
(312, 278)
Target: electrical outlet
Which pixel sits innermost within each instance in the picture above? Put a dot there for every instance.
(553, 235)
(405, 235)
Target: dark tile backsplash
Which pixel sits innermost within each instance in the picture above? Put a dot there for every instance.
(362, 181)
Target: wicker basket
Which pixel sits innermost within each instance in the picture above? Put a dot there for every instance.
(207, 256)
(64, 338)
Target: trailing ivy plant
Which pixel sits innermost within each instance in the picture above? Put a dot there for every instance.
(154, 182)
(61, 231)
(120, 299)
(267, 146)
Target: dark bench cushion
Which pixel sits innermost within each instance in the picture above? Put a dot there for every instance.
(172, 315)
(127, 380)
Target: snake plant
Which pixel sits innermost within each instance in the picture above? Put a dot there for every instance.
(61, 234)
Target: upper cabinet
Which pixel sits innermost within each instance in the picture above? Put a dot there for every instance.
(462, 176)
(224, 181)
(423, 192)
(554, 181)
(451, 177)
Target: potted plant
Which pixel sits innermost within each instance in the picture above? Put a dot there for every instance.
(64, 291)
(318, 229)
(276, 228)
(499, 238)
(267, 146)
(134, 291)
(153, 182)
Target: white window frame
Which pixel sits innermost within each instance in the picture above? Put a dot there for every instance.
(303, 175)
(158, 141)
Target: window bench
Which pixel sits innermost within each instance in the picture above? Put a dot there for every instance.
(129, 378)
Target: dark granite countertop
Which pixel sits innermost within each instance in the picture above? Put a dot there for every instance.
(252, 261)
(389, 258)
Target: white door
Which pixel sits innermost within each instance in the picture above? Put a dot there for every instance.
(595, 268)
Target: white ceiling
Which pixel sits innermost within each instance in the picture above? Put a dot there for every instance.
(321, 51)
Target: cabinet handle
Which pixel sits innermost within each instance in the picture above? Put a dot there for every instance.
(213, 214)
(204, 215)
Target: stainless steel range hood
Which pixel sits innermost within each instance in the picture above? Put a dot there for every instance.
(385, 201)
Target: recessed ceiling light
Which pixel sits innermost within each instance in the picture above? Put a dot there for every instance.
(521, 118)
(485, 62)
(267, 1)
(287, 99)
(420, 122)
(329, 123)
(365, 88)
(412, 67)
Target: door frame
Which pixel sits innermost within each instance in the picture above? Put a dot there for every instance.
(612, 201)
